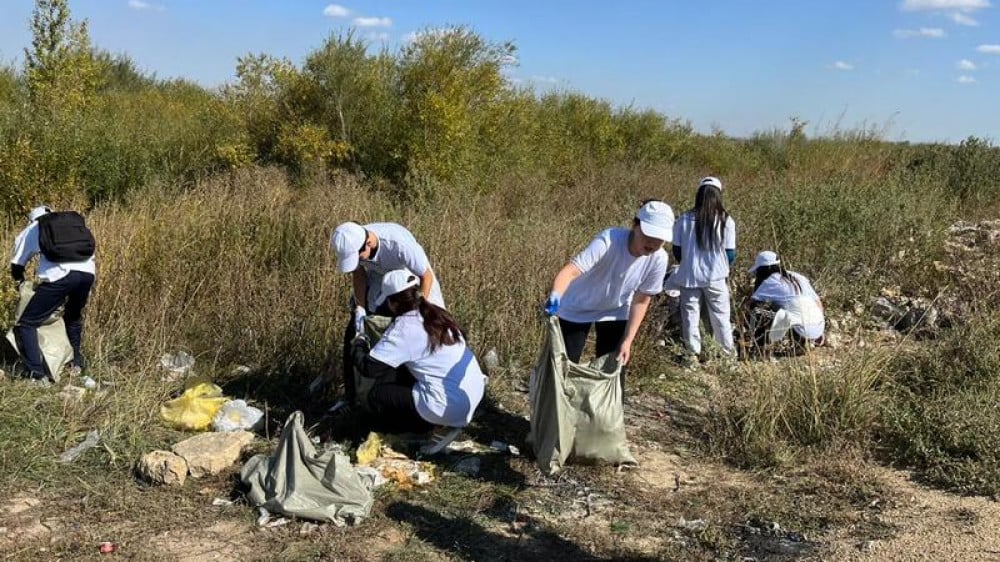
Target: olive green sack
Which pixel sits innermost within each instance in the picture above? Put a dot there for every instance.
(576, 410)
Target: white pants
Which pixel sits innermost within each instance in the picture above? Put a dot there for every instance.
(716, 296)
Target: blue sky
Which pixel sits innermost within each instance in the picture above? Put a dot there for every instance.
(922, 70)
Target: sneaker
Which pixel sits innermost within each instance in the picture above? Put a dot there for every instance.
(439, 442)
(42, 381)
(75, 371)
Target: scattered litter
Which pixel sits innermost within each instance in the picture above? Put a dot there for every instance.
(468, 466)
(264, 516)
(491, 360)
(236, 415)
(71, 393)
(467, 446)
(694, 525)
(391, 465)
(177, 363)
(89, 383)
(93, 437)
(440, 441)
(108, 547)
(195, 409)
(277, 522)
(514, 450)
(308, 528)
(222, 502)
(501, 447)
(241, 370)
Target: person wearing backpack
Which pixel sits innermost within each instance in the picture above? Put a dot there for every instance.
(704, 243)
(66, 270)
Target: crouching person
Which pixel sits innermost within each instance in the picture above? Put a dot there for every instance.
(426, 374)
(784, 301)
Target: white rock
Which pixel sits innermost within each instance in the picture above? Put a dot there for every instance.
(211, 453)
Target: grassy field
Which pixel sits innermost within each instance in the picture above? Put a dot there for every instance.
(237, 271)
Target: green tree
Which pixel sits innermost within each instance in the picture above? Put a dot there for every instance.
(60, 67)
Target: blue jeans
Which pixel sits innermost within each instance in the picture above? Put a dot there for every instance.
(74, 289)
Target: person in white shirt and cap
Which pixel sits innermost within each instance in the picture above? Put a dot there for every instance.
(426, 374)
(610, 283)
(368, 252)
(797, 307)
(66, 271)
(704, 243)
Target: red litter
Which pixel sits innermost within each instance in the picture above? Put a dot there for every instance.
(108, 547)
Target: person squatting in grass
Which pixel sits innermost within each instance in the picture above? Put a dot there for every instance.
(610, 283)
(62, 280)
(368, 252)
(425, 374)
(704, 242)
(783, 300)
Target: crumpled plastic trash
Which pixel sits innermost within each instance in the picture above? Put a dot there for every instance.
(91, 441)
(391, 465)
(236, 415)
(178, 363)
(195, 409)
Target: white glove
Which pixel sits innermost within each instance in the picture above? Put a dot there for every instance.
(359, 320)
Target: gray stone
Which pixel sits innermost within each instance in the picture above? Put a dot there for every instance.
(162, 467)
(211, 453)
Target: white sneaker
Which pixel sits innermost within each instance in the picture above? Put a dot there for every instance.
(439, 442)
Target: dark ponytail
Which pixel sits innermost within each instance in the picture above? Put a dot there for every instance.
(763, 273)
(441, 327)
(710, 217)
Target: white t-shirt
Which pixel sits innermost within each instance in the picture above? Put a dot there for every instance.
(699, 268)
(26, 247)
(610, 276)
(450, 382)
(397, 249)
(806, 315)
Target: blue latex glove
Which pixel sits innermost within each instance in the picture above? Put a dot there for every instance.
(359, 320)
(552, 304)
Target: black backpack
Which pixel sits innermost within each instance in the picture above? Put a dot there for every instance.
(64, 237)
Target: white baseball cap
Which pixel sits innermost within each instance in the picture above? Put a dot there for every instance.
(38, 212)
(396, 281)
(767, 258)
(348, 240)
(712, 181)
(656, 220)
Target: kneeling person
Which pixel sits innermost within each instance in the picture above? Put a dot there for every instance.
(795, 304)
(426, 374)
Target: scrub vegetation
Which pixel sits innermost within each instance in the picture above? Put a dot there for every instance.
(213, 210)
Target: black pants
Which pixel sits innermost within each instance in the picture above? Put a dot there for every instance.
(347, 362)
(74, 290)
(609, 337)
(392, 406)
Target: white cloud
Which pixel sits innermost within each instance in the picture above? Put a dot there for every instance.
(928, 32)
(966, 80)
(373, 22)
(841, 65)
(377, 36)
(141, 5)
(336, 11)
(966, 64)
(963, 19)
(545, 79)
(955, 5)
(989, 49)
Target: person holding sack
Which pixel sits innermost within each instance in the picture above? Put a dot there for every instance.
(704, 243)
(425, 373)
(66, 270)
(368, 252)
(610, 283)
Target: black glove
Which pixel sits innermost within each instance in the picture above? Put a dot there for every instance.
(17, 272)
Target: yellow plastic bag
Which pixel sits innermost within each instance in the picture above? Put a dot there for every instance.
(195, 409)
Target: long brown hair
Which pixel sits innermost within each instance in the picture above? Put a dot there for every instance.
(441, 327)
(709, 217)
